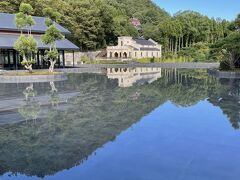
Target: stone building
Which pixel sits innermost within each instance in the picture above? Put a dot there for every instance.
(129, 48)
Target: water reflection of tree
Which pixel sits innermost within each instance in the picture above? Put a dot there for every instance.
(31, 109)
(96, 116)
(196, 85)
(228, 99)
(54, 96)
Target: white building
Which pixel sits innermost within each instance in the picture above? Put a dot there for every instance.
(129, 48)
(127, 77)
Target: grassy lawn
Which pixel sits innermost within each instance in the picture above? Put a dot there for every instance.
(106, 62)
(142, 61)
(176, 59)
(160, 60)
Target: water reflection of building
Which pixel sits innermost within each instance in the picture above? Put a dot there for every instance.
(32, 106)
(127, 77)
(64, 137)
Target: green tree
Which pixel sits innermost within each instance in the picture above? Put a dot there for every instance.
(97, 23)
(228, 48)
(26, 44)
(51, 36)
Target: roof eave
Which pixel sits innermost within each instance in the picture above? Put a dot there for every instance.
(67, 49)
(33, 31)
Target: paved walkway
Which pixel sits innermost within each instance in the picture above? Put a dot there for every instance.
(163, 65)
(224, 74)
(97, 68)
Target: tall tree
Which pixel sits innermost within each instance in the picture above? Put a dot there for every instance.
(51, 36)
(228, 48)
(26, 44)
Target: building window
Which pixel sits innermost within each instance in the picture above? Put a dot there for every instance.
(152, 54)
(121, 43)
(141, 54)
(11, 61)
(147, 54)
(135, 54)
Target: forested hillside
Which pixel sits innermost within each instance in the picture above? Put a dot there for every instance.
(97, 23)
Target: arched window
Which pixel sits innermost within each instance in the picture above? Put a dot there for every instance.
(124, 55)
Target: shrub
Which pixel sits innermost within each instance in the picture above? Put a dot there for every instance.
(152, 60)
(224, 65)
(85, 59)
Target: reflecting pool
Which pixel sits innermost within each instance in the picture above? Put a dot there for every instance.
(122, 124)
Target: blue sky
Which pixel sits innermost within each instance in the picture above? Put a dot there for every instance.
(225, 9)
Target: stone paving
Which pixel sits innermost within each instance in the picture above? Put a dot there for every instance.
(97, 68)
(224, 74)
(163, 65)
(32, 78)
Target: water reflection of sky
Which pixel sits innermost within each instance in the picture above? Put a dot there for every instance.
(166, 145)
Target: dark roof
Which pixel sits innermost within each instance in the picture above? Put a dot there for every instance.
(7, 23)
(135, 49)
(7, 41)
(144, 42)
(149, 49)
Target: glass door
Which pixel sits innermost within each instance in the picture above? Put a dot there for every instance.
(6, 59)
(1, 60)
(11, 59)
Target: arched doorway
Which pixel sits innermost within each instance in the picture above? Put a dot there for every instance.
(124, 55)
(116, 55)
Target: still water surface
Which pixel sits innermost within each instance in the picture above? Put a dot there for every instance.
(124, 124)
